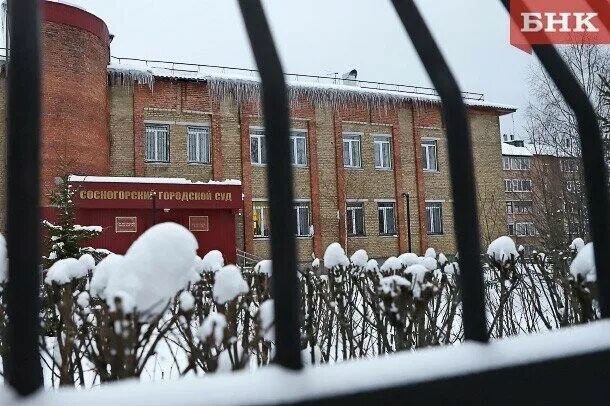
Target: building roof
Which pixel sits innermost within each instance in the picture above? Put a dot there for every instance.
(509, 149)
(131, 179)
(244, 84)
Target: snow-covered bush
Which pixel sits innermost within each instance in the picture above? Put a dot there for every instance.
(161, 311)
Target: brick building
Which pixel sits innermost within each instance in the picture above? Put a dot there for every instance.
(358, 153)
(545, 204)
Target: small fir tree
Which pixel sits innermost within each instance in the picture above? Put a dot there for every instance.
(66, 237)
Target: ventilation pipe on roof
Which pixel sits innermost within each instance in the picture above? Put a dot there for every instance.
(349, 78)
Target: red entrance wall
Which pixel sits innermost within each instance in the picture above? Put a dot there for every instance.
(213, 206)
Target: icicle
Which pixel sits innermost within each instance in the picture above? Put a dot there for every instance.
(336, 96)
(127, 75)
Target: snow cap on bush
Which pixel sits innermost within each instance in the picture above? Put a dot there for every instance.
(372, 266)
(266, 318)
(156, 266)
(186, 301)
(577, 244)
(418, 272)
(430, 263)
(393, 284)
(264, 267)
(198, 265)
(430, 253)
(101, 274)
(335, 256)
(584, 264)
(502, 250)
(64, 271)
(213, 261)
(228, 284)
(408, 259)
(391, 264)
(442, 259)
(359, 258)
(88, 261)
(315, 263)
(213, 327)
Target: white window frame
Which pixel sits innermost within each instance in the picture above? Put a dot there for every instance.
(353, 207)
(525, 229)
(568, 165)
(264, 221)
(261, 154)
(294, 136)
(299, 206)
(352, 140)
(428, 145)
(154, 153)
(384, 207)
(520, 163)
(202, 155)
(506, 163)
(431, 208)
(379, 140)
(517, 185)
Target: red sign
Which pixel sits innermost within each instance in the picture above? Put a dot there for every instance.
(126, 224)
(536, 22)
(199, 223)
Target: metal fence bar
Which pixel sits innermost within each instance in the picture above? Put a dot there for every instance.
(24, 372)
(594, 166)
(461, 168)
(279, 177)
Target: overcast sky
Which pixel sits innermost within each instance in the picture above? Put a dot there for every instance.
(326, 36)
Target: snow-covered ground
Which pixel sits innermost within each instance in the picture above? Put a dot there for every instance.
(273, 384)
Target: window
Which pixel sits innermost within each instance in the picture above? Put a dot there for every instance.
(351, 151)
(506, 163)
(298, 151)
(511, 229)
(520, 163)
(383, 158)
(434, 213)
(569, 165)
(258, 153)
(509, 207)
(429, 155)
(198, 145)
(387, 218)
(525, 207)
(573, 186)
(524, 229)
(517, 185)
(157, 143)
(260, 217)
(355, 218)
(302, 216)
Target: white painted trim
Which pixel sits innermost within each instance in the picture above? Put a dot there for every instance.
(385, 200)
(359, 133)
(159, 122)
(386, 135)
(198, 112)
(435, 201)
(356, 200)
(194, 124)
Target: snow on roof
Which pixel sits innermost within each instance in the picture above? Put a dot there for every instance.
(247, 87)
(284, 386)
(509, 149)
(127, 179)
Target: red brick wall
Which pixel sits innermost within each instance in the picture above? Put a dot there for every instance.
(75, 110)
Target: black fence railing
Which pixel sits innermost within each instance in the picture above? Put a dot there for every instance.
(584, 373)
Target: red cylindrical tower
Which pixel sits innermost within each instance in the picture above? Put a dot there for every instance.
(75, 116)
